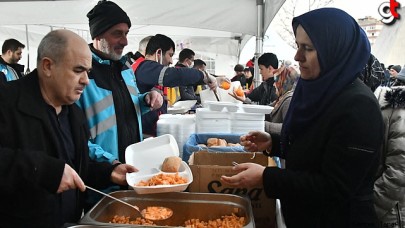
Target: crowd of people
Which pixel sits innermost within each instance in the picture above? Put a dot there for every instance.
(337, 122)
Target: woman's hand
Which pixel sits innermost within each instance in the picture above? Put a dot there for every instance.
(256, 141)
(251, 175)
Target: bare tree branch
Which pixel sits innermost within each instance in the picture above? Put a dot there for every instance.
(289, 10)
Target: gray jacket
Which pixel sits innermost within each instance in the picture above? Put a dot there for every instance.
(389, 187)
(275, 122)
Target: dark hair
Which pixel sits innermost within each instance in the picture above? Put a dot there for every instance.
(268, 59)
(12, 45)
(238, 68)
(199, 62)
(186, 54)
(159, 41)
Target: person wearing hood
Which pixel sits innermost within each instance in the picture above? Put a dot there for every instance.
(389, 188)
(286, 80)
(331, 136)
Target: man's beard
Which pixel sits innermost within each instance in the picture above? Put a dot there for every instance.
(14, 60)
(108, 50)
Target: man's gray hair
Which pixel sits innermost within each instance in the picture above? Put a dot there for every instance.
(53, 46)
(143, 43)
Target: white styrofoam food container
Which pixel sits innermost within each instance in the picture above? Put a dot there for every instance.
(221, 105)
(181, 106)
(264, 109)
(147, 156)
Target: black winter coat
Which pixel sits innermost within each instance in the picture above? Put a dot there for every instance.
(330, 168)
(30, 168)
(264, 94)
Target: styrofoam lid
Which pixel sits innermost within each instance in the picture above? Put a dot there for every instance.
(206, 113)
(177, 117)
(222, 106)
(150, 153)
(264, 109)
(185, 104)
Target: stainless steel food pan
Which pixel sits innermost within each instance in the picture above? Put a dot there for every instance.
(185, 205)
(87, 226)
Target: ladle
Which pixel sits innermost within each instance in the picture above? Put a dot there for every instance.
(143, 213)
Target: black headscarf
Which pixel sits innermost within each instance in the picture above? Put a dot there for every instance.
(343, 50)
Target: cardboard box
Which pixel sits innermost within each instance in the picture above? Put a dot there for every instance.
(194, 142)
(208, 167)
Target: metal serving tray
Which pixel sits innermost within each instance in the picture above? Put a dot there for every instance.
(185, 205)
(87, 226)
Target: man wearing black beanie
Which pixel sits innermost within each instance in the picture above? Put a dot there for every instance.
(105, 15)
(112, 103)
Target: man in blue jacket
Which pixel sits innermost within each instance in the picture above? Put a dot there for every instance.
(111, 102)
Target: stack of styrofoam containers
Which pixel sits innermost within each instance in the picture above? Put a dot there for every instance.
(208, 121)
(228, 117)
(180, 126)
(249, 118)
(243, 122)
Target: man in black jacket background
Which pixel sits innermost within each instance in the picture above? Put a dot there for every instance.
(11, 54)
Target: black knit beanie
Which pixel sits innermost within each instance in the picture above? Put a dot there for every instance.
(397, 68)
(105, 15)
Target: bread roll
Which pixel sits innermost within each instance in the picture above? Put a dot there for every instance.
(171, 164)
(222, 142)
(216, 142)
(212, 142)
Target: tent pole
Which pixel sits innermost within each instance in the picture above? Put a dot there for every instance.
(259, 41)
(27, 71)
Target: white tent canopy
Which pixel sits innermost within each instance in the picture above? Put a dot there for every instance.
(215, 28)
(389, 47)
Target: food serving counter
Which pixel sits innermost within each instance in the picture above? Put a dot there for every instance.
(185, 206)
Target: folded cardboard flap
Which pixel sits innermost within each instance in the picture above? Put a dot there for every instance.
(207, 169)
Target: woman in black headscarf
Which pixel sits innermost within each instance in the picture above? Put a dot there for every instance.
(332, 133)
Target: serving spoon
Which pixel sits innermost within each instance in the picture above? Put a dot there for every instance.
(145, 212)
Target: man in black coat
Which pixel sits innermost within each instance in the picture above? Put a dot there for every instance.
(43, 139)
